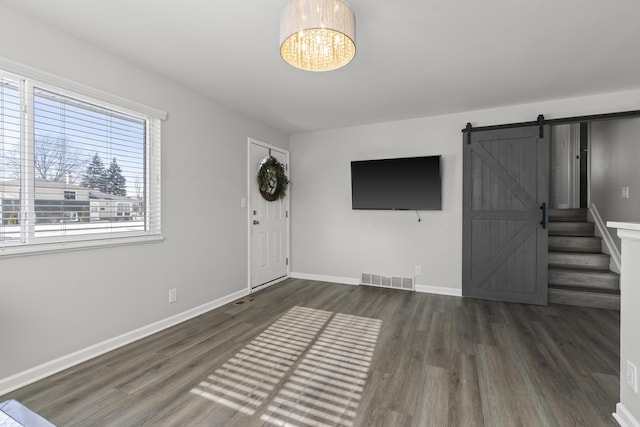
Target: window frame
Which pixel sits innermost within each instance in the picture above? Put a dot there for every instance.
(30, 78)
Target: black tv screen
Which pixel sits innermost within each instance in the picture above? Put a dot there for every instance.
(410, 183)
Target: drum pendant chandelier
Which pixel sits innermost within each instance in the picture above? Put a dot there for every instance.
(317, 35)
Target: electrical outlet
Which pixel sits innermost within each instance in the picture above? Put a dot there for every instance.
(632, 376)
(173, 295)
(418, 270)
(624, 193)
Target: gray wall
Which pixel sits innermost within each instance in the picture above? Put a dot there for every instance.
(615, 163)
(329, 239)
(56, 304)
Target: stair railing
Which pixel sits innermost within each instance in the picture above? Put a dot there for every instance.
(609, 243)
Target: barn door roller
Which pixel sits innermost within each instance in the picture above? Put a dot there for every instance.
(541, 125)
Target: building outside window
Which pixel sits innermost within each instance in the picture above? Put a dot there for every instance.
(65, 157)
(123, 209)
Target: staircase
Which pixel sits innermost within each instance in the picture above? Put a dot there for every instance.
(578, 270)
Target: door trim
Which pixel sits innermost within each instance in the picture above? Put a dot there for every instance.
(252, 141)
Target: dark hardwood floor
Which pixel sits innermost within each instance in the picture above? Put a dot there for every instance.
(311, 354)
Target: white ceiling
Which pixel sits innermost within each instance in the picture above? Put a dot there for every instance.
(414, 57)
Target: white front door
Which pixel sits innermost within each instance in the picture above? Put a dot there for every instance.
(268, 222)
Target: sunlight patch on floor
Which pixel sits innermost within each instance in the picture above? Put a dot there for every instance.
(322, 359)
(245, 381)
(326, 387)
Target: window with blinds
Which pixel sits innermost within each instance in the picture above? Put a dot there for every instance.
(75, 171)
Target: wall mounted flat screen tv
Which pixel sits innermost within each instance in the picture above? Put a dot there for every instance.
(410, 183)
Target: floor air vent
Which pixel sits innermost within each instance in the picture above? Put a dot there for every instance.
(394, 282)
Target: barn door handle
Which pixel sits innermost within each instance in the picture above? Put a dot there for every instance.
(543, 208)
(256, 222)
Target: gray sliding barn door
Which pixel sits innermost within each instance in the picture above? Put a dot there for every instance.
(505, 183)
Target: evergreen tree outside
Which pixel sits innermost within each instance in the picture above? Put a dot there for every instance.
(116, 182)
(95, 176)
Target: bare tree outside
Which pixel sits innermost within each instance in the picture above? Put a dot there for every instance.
(54, 159)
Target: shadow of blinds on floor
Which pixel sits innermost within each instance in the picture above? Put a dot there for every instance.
(246, 380)
(326, 387)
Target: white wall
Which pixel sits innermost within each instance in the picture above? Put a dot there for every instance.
(628, 410)
(615, 156)
(630, 319)
(53, 305)
(331, 240)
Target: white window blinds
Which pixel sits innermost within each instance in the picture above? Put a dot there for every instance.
(74, 170)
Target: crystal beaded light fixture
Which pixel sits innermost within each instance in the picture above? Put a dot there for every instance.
(318, 35)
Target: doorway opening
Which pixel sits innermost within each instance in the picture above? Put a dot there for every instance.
(593, 170)
(569, 166)
(585, 181)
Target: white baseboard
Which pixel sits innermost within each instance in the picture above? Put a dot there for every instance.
(624, 417)
(321, 278)
(438, 290)
(349, 281)
(49, 368)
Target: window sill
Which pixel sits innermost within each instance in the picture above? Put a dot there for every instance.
(44, 248)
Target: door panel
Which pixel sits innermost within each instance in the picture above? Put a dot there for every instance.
(584, 163)
(269, 229)
(263, 249)
(276, 248)
(505, 175)
(565, 166)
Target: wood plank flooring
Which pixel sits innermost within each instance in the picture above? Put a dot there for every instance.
(397, 359)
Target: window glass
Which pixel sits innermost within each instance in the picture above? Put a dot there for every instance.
(10, 166)
(74, 169)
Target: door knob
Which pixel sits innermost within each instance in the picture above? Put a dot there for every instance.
(256, 222)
